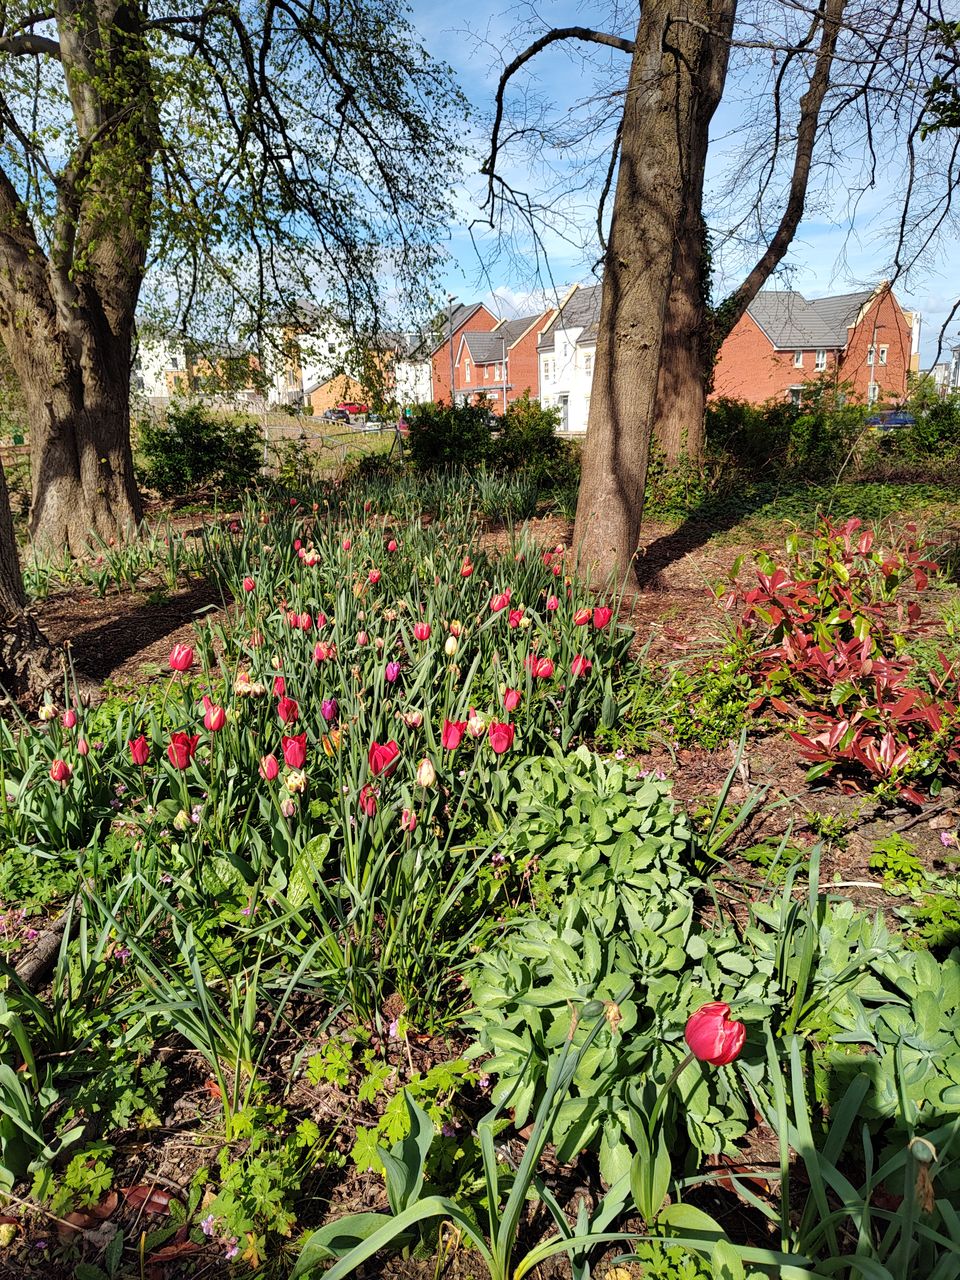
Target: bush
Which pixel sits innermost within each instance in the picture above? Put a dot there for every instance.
(811, 441)
(449, 435)
(192, 448)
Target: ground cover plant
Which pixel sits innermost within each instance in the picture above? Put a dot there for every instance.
(360, 938)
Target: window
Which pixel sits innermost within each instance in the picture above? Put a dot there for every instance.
(883, 355)
(174, 362)
(499, 373)
(795, 394)
(566, 350)
(870, 355)
(798, 359)
(331, 348)
(548, 370)
(588, 365)
(821, 361)
(486, 373)
(873, 392)
(466, 370)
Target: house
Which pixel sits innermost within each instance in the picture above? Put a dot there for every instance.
(784, 342)
(219, 374)
(501, 364)
(565, 351)
(448, 328)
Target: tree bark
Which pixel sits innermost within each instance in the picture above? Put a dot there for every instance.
(677, 58)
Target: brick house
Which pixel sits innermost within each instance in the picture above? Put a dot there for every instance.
(452, 325)
(501, 363)
(784, 343)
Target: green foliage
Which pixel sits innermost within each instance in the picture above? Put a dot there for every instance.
(896, 860)
(192, 447)
(710, 704)
(527, 441)
(84, 1182)
(444, 436)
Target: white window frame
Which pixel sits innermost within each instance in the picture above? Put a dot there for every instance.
(466, 370)
(883, 355)
(870, 355)
(798, 359)
(873, 393)
(588, 365)
(486, 373)
(796, 395)
(820, 363)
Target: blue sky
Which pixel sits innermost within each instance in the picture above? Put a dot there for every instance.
(834, 252)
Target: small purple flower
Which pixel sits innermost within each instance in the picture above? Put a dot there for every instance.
(620, 754)
(329, 709)
(32, 935)
(392, 671)
(947, 838)
(448, 1129)
(233, 1248)
(393, 1031)
(207, 1225)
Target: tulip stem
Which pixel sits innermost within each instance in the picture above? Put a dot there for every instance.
(668, 1085)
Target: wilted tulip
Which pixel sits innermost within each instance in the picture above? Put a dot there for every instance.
(582, 617)
(374, 576)
(368, 799)
(181, 749)
(426, 773)
(181, 657)
(476, 724)
(456, 627)
(47, 712)
(295, 750)
(362, 638)
(139, 750)
(295, 781)
(412, 719)
(288, 806)
(501, 736)
(269, 767)
(60, 771)
(322, 652)
(712, 1036)
(306, 622)
(408, 820)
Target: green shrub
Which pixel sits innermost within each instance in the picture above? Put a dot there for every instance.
(527, 438)
(192, 448)
(444, 436)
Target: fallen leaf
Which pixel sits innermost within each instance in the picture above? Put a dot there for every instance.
(150, 1199)
(107, 1205)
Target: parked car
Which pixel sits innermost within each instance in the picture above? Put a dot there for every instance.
(336, 415)
(891, 419)
(352, 408)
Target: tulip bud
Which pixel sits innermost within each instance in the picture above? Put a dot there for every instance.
(450, 646)
(362, 638)
(288, 807)
(426, 773)
(182, 821)
(83, 747)
(248, 584)
(60, 771)
(408, 820)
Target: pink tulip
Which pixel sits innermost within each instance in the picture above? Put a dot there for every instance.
(329, 709)
(368, 799)
(392, 671)
(501, 736)
(451, 735)
(382, 758)
(500, 601)
(306, 622)
(347, 544)
(601, 616)
(60, 771)
(215, 717)
(580, 666)
(514, 617)
(295, 750)
(511, 699)
(553, 604)
(139, 750)
(83, 747)
(408, 820)
(181, 749)
(362, 638)
(539, 668)
(582, 617)
(712, 1036)
(373, 576)
(392, 545)
(181, 657)
(248, 584)
(269, 767)
(421, 630)
(288, 710)
(68, 719)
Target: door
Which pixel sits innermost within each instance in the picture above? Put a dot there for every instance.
(564, 402)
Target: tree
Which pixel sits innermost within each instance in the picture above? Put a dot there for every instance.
(250, 152)
(834, 63)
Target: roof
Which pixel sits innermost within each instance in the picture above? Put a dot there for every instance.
(791, 322)
(580, 310)
(489, 348)
(445, 322)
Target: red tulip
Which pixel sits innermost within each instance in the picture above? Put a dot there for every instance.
(293, 619)
(582, 617)
(215, 717)
(539, 668)
(347, 544)
(279, 686)
(466, 569)
(374, 576)
(321, 651)
(139, 750)
(68, 719)
(552, 604)
(248, 584)
(382, 758)
(287, 710)
(501, 736)
(601, 616)
(269, 767)
(511, 699)
(498, 602)
(181, 657)
(514, 617)
(451, 735)
(580, 666)
(306, 622)
(392, 545)
(368, 799)
(295, 750)
(408, 820)
(181, 749)
(421, 630)
(60, 771)
(712, 1036)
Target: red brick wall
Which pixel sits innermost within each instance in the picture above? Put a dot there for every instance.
(884, 319)
(749, 369)
(525, 363)
(482, 321)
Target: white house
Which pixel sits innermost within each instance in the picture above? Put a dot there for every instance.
(566, 352)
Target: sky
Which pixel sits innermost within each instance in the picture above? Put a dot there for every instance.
(834, 252)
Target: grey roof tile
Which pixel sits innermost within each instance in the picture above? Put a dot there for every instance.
(580, 311)
(793, 323)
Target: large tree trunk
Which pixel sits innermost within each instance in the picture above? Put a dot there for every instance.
(81, 462)
(677, 58)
